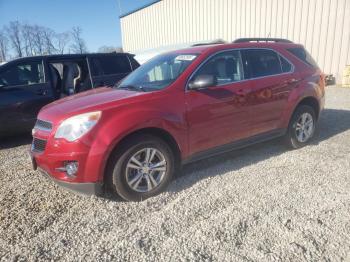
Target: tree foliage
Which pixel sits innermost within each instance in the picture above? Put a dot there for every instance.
(4, 46)
(78, 44)
(22, 39)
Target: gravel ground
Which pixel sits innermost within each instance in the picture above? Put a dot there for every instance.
(263, 203)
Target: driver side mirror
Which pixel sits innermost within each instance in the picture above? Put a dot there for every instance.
(202, 81)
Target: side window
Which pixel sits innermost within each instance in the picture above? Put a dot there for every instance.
(110, 65)
(286, 66)
(262, 62)
(225, 66)
(22, 74)
(133, 62)
(302, 54)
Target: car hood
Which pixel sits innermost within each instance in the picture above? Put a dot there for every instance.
(93, 100)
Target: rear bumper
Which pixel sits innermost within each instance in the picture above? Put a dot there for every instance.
(322, 102)
(79, 188)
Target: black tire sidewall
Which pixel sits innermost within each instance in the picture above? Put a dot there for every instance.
(130, 148)
(291, 138)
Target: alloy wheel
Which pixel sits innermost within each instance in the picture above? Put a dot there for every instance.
(145, 170)
(304, 127)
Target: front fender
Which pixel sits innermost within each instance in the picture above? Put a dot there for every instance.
(118, 125)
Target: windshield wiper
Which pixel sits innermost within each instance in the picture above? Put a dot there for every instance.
(132, 87)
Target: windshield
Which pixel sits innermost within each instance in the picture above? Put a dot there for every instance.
(158, 73)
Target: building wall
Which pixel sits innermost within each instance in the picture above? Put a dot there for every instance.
(322, 26)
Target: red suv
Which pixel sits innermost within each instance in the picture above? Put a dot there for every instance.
(177, 108)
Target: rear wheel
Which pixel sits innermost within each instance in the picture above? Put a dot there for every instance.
(301, 127)
(142, 168)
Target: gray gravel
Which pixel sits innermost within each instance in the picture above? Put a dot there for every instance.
(263, 203)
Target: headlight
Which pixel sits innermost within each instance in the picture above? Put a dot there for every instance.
(75, 127)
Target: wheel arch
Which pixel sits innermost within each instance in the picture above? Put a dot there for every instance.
(155, 131)
(312, 102)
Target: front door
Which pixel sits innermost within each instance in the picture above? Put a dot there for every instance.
(218, 115)
(23, 92)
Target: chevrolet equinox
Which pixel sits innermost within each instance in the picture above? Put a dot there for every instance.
(177, 108)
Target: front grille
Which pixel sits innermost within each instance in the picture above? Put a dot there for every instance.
(43, 125)
(38, 145)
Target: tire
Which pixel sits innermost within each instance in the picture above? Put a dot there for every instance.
(294, 137)
(133, 181)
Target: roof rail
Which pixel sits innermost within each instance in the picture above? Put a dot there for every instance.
(214, 42)
(276, 40)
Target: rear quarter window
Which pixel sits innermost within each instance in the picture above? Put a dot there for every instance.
(286, 66)
(303, 55)
(110, 65)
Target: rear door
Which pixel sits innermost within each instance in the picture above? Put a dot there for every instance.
(272, 79)
(107, 70)
(23, 92)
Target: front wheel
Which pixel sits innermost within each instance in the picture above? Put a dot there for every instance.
(142, 168)
(302, 126)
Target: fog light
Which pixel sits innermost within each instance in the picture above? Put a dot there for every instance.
(71, 168)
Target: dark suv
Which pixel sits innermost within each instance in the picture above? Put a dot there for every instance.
(27, 84)
(177, 108)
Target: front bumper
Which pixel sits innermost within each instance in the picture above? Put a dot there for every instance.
(80, 188)
(76, 187)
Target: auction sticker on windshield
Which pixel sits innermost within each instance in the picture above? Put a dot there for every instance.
(185, 57)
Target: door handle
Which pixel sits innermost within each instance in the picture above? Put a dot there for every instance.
(291, 81)
(243, 91)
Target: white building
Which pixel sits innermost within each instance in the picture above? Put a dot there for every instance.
(322, 26)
